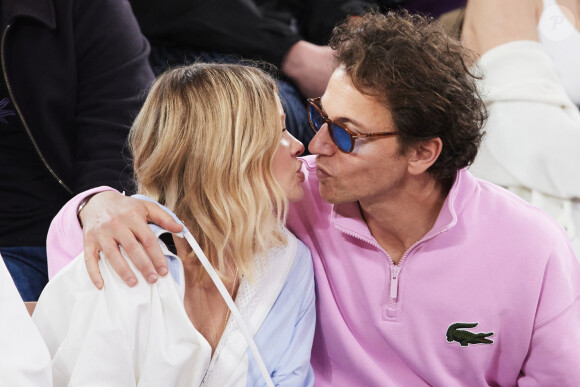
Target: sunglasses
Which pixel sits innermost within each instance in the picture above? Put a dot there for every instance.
(342, 137)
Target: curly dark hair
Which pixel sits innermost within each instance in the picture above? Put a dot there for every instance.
(421, 75)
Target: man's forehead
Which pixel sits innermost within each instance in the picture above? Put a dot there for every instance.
(341, 82)
(342, 100)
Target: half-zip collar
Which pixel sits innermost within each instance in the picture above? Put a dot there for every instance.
(348, 219)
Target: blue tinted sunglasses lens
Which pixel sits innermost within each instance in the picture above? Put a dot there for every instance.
(315, 118)
(341, 138)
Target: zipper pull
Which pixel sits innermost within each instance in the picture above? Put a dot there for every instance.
(395, 270)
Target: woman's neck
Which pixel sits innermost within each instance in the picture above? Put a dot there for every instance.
(203, 303)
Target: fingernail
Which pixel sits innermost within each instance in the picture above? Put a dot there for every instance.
(163, 271)
(132, 281)
(99, 285)
(152, 278)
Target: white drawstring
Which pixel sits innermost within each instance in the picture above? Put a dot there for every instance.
(228, 299)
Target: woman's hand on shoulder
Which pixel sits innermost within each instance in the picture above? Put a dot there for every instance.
(110, 221)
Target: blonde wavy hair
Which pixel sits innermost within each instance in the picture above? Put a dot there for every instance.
(203, 145)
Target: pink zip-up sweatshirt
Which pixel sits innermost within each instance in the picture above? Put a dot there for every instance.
(489, 296)
(491, 259)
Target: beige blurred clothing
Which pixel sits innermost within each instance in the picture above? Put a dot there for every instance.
(532, 146)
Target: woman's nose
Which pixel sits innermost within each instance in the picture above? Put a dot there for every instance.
(296, 146)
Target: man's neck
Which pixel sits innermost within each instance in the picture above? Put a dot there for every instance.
(399, 222)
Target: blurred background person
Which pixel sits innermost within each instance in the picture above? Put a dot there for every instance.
(432, 8)
(291, 34)
(73, 77)
(530, 56)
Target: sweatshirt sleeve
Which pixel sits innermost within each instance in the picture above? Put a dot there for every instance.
(64, 240)
(554, 351)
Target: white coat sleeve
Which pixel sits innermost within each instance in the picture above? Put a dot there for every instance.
(24, 359)
(118, 336)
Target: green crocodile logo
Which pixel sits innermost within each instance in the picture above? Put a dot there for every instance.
(465, 337)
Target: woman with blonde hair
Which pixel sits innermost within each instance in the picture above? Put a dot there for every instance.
(209, 144)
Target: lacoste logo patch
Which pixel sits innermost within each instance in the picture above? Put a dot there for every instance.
(455, 333)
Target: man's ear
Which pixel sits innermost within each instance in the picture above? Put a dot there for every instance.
(424, 154)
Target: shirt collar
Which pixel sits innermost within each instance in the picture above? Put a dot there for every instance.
(172, 259)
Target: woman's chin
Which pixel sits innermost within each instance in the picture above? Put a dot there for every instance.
(296, 195)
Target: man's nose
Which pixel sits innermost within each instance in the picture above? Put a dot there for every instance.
(321, 143)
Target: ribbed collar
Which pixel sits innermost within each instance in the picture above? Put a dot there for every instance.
(348, 218)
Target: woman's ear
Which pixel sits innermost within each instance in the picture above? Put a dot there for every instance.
(424, 154)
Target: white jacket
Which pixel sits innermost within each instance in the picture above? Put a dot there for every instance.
(142, 336)
(24, 359)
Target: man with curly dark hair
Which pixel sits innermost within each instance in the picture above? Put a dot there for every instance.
(425, 275)
(421, 77)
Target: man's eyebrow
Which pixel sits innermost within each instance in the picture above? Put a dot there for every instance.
(344, 120)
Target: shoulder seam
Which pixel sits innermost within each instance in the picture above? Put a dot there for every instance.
(558, 314)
